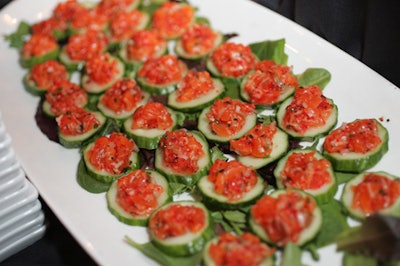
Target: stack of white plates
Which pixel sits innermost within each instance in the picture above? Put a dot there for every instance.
(21, 216)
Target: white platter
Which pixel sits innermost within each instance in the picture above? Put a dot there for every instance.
(358, 91)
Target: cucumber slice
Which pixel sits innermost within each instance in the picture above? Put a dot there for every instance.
(148, 138)
(216, 201)
(189, 243)
(199, 103)
(78, 140)
(203, 164)
(123, 54)
(104, 176)
(323, 194)
(305, 236)
(208, 260)
(311, 133)
(129, 218)
(30, 62)
(95, 88)
(181, 52)
(348, 195)
(124, 114)
(70, 64)
(358, 162)
(280, 145)
(31, 86)
(203, 126)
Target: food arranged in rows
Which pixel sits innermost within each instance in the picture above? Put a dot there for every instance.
(160, 103)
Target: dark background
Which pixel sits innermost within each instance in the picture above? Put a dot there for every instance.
(366, 29)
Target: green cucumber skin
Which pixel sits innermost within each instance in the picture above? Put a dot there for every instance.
(347, 198)
(156, 89)
(306, 236)
(107, 177)
(245, 96)
(321, 195)
(126, 217)
(280, 147)
(148, 141)
(356, 163)
(312, 133)
(216, 201)
(191, 247)
(195, 106)
(189, 180)
(203, 127)
(30, 62)
(208, 261)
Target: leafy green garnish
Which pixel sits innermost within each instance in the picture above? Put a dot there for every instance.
(342, 177)
(231, 221)
(87, 182)
(232, 87)
(314, 76)
(216, 153)
(271, 50)
(156, 254)
(18, 38)
(291, 255)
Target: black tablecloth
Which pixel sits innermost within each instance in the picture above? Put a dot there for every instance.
(366, 29)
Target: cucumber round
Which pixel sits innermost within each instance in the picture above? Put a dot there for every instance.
(189, 243)
(322, 194)
(181, 52)
(104, 176)
(305, 236)
(203, 126)
(358, 162)
(95, 88)
(123, 54)
(280, 145)
(199, 103)
(78, 140)
(127, 217)
(216, 201)
(311, 133)
(147, 138)
(31, 61)
(208, 260)
(348, 195)
(176, 177)
(124, 114)
(31, 86)
(70, 64)
(245, 96)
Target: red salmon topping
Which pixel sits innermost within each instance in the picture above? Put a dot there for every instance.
(376, 192)
(163, 70)
(232, 179)
(125, 24)
(39, 45)
(233, 60)
(152, 115)
(181, 151)
(91, 19)
(257, 142)
(309, 109)
(198, 39)
(112, 153)
(285, 217)
(122, 96)
(68, 10)
(84, 46)
(232, 250)
(49, 26)
(177, 220)
(227, 116)
(360, 136)
(77, 122)
(102, 68)
(137, 193)
(194, 85)
(269, 82)
(172, 19)
(304, 171)
(48, 73)
(65, 96)
(145, 44)
(113, 8)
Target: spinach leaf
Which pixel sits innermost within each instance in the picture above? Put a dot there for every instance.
(314, 76)
(232, 87)
(18, 38)
(291, 255)
(270, 50)
(343, 177)
(87, 182)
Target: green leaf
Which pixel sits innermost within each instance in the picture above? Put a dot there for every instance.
(156, 254)
(314, 76)
(232, 87)
(87, 182)
(291, 255)
(342, 177)
(178, 188)
(235, 216)
(351, 260)
(216, 153)
(18, 38)
(378, 236)
(271, 50)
